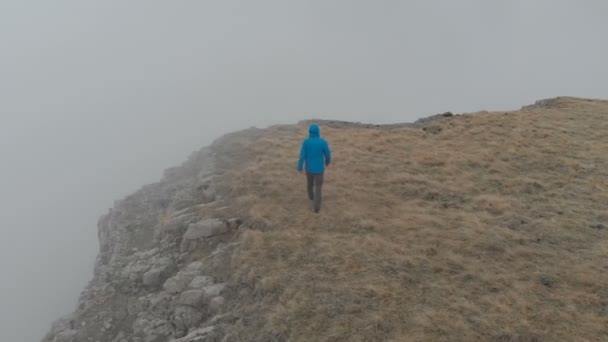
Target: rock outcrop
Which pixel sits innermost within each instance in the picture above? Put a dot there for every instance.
(154, 278)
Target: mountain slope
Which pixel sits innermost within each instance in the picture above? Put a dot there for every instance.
(487, 226)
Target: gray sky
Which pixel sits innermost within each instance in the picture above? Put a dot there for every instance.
(98, 97)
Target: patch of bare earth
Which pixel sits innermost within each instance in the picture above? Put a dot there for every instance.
(484, 227)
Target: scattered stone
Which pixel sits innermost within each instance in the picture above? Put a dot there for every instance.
(223, 319)
(221, 248)
(66, 336)
(192, 298)
(204, 229)
(216, 303)
(532, 188)
(199, 335)
(515, 223)
(432, 129)
(547, 281)
(213, 290)
(201, 282)
(176, 284)
(185, 318)
(152, 329)
(152, 278)
(209, 195)
(195, 267)
(178, 222)
(158, 273)
(234, 223)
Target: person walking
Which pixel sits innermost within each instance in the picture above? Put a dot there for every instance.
(315, 155)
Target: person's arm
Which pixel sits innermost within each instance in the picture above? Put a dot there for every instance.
(302, 157)
(327, 154)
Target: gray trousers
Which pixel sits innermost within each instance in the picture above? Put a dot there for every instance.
(315, 189)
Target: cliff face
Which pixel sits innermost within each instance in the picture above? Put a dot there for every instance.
(159, 275)
(480, 227)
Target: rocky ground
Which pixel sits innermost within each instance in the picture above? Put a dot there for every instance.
(156, 276)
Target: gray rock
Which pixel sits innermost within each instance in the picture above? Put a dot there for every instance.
(213, 290)
(152, 278)
(136, 305)
(66, 336)
(199, 335)
(234, 223)
(547, 281)
(175, 223)
(162, 269)
(164, 263)
(434, 129)
(134, 268)
(224, 319)
(185, 318)
(195, 267)
(62, 330)
(192, 298)
(183, 279)
(176, 284)
(121, 337)
(160, 304)
(209, 195)
(201, 282)
(216, 303)
(204, 229)
(152, 329)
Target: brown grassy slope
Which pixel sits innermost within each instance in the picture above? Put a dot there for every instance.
(488, 230)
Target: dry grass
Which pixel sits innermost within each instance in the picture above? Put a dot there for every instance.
(486, 231)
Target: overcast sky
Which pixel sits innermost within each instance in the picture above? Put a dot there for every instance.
(98, 97)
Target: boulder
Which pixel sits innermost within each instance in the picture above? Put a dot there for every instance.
(66, 336)
(195, 267)
(216, 303)
(152, 329)
(204, 229)
(192, 298)
(175, 223)
(213, 290)
(161, 270)
(152, 278)
(199, 335)
(201, 282)
(185, 318)
(176, 284)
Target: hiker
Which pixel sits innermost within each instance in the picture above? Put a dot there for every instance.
(315, 154)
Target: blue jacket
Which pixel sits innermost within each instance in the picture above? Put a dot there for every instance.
(315, 152)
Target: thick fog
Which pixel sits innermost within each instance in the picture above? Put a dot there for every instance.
(98, 97)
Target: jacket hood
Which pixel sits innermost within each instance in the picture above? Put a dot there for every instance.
(314, 131)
